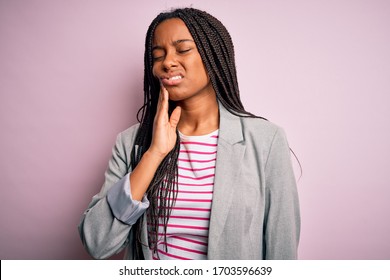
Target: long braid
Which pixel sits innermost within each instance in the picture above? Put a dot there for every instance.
(217, 52)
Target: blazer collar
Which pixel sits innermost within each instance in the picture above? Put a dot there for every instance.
(230, 129)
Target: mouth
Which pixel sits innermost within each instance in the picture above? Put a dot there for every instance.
(171, 80)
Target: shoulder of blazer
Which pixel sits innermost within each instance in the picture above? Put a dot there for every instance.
(234, 129)
(127, 136)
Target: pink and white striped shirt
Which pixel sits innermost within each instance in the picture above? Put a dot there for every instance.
(188, 225)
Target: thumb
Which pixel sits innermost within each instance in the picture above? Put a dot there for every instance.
(175, 117)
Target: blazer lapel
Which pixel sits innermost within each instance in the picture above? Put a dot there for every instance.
(230, 152)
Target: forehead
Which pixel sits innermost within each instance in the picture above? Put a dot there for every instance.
(171, 30)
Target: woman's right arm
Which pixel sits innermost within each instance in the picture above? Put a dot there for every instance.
(101, 232)
(105, 225)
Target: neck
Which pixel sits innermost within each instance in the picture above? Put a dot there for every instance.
(199, 117)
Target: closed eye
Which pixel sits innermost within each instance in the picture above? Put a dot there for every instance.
(184, 51)
(159, 55)
(158, 58)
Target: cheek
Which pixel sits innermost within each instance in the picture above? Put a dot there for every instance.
(202, 72)
(201, 69)
(154, 71)
(198, 70)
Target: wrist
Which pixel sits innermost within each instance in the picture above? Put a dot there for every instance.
(154, 155)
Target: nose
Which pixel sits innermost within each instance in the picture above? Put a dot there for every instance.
(170, 61)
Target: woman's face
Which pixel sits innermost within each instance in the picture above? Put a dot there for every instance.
(177, 62)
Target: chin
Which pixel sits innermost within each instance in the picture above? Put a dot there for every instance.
(175, 96)
(175, 99)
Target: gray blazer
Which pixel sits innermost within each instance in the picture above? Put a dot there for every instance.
(255, 208)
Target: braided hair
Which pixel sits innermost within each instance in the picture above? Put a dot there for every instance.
(216, 49)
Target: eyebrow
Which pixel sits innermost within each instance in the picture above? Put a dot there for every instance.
(174, 43)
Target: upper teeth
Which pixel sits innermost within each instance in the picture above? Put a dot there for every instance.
(175, 78)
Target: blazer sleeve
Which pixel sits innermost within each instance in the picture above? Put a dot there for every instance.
(102, 230)
(282, 214)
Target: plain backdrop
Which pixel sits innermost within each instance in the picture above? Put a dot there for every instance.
(71, 77)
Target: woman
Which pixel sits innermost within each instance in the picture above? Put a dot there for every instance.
(199, 177)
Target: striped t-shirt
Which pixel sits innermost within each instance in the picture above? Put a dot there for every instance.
(188, 225)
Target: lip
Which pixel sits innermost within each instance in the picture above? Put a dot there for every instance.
(171, 79)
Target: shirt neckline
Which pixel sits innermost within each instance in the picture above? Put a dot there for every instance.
(208, 135)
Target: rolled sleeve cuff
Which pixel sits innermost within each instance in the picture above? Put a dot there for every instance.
(122, 205)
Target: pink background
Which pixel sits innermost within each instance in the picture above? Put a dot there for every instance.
(71, 79)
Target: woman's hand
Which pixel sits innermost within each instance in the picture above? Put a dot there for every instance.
(164, 128)
(163, 141)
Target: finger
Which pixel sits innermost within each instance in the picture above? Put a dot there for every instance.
(160, 97)
(175, 117)
(165, 97)
(162, 106)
